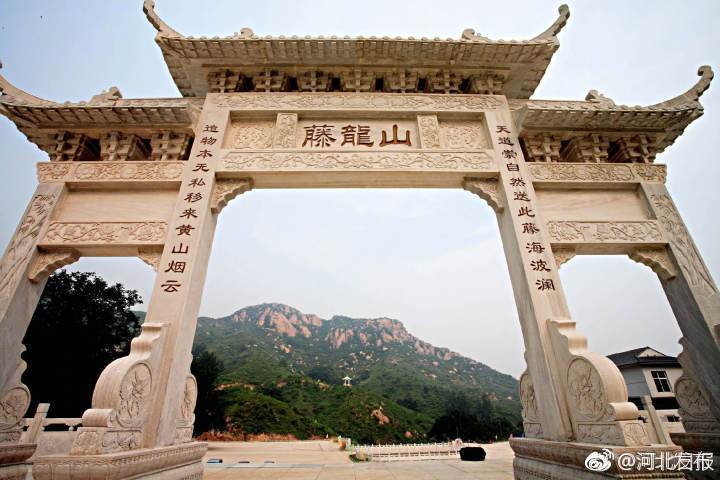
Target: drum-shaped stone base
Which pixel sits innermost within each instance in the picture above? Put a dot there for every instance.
(537, 459)
(177, 462)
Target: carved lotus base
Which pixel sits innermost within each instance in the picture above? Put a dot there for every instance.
(12, 460)
(537, 459)
(177, 462)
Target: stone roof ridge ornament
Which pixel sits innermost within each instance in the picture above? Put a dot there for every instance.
(597, 97)
(552, 32)
(245, 32)
(157, 22)
(692, 96)
(548, 35)
(112, 94)
(9, 93)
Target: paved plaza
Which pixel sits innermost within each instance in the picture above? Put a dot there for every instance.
(321, 460)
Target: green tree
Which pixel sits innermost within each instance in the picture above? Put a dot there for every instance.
(80, 325)
(208, 411)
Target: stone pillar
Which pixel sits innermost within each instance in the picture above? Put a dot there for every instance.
(574, 400)
(141, 418)
(694, 299)
(18, 298)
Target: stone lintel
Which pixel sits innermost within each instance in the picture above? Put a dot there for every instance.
(355, 169)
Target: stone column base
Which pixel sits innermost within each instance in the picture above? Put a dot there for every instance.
(537, 459)
(177, 462)
(700, 442)
(13, 458)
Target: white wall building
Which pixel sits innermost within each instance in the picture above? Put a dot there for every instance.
(650, 376)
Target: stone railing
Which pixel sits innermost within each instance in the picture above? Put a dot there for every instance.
(49, 442)
(413, 451)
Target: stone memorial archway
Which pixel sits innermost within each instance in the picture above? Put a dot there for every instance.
(149, 178)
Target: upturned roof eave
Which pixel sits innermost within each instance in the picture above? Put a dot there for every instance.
(471, 51)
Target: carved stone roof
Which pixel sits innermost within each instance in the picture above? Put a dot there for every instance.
(600, 114)
(106, 108)
(519, 65)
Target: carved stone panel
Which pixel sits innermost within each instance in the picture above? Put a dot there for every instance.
(22, 245)
(89, 233)
(169, 146)
(239, 161)
(285, 130)
(586, 392)
(355, 101)
(256, 135)
(109, 171)
(465, 135)
(429, 131)
(600, 173)
(685, 251)
(645, 231)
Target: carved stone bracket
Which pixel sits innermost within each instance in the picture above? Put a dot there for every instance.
(657, 259)
(47, 262)
(354, 101)
(542, 147)
(227, 189)
(563, 255)
(151, 256)
(592, 148)
(685, 252)
(487, 189)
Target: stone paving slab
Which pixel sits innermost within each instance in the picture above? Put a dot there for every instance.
(321, 460)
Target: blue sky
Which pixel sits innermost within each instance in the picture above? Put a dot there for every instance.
(432, 259)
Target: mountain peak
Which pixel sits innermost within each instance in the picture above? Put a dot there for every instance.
(281, 318)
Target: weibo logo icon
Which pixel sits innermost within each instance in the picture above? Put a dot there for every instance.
(599, 461)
